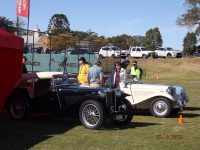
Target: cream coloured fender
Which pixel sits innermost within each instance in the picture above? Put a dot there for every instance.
(138, 93)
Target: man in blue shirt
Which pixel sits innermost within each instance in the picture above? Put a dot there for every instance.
(95, 75)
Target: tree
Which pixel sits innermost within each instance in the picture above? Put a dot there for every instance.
(189, 43)
(19, 24)
(136, 41)
(153, 39)
(59, 24)
(80, 35)
(191, 19)
(7, 24)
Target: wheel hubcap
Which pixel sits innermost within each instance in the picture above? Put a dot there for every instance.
(91, 115)
(160, 107)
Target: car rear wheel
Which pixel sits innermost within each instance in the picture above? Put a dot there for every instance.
(125, 117)
(91, 114)
(144, 56)
(18, 107)
(160, 107)
(169, 55)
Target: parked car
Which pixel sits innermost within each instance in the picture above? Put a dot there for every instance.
(112, 51)
(54, 92)
(161, 100)
(81, 51)
(141, 52)
(168, 52)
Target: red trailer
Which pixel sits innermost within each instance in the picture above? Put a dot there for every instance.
(11, 53)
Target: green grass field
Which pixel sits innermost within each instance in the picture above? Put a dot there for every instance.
(144, 133)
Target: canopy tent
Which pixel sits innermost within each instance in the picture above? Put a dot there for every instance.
(11, 53)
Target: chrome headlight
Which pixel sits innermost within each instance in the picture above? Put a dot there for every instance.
(171, 90)
(118, 92)
(102, 93)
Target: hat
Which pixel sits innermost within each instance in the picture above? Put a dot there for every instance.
(82, 59)
(134, 62)
(126, 62)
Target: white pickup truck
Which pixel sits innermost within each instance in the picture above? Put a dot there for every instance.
(168, 52)
(141, 52)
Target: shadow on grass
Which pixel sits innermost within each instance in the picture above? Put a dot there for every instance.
(192, 108)
(25, 134)
(110, 126)
(185, 115)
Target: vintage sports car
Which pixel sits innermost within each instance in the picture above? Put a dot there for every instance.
(54, 92)
(161, 100)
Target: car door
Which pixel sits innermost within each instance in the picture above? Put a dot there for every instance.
(133, 52)
(45, 98)
(138, 52)
(69, 95)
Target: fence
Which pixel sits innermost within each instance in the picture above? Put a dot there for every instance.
(50, 52)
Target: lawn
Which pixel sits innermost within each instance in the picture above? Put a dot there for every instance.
(145, 131)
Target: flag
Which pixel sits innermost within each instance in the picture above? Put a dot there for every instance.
(23, 8)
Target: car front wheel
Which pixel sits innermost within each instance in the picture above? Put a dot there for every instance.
(18, 107)
(160, 107)
(125, 117)
(101, 56)
(91, 114)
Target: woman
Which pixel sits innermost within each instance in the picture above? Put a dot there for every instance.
(118, 74)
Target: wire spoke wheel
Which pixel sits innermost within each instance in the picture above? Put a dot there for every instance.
(160, 107)
(91, 114)
(17, 107)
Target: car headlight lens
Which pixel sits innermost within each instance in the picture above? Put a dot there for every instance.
(171, 90)
(102, 93)
(118, 92)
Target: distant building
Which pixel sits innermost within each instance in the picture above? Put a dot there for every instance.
(33, 37)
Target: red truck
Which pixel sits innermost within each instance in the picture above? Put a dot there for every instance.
(11, 53)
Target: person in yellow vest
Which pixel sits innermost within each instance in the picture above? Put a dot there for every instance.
(136, 72)
(83, 69)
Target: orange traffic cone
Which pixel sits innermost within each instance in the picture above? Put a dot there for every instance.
(157, 78)
(180, 119)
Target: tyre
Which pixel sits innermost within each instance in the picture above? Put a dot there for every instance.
(18, 107)
(101, 56)
(113, 56)
(144, 56)
(91, 114)
(127, 116)
(169, 55)
(160, 107)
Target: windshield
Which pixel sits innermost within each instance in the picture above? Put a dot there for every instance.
(144, 49)
(169, 49)
(161, 49)
(115, 49)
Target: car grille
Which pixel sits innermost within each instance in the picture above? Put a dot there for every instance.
(179, 54)
(111, 100)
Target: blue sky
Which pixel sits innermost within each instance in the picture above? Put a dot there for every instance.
(109, 17)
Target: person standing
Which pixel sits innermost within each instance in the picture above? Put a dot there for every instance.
(95, 75)
(118, 74)
(84, 66)
(136, 72)
(24, 64)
